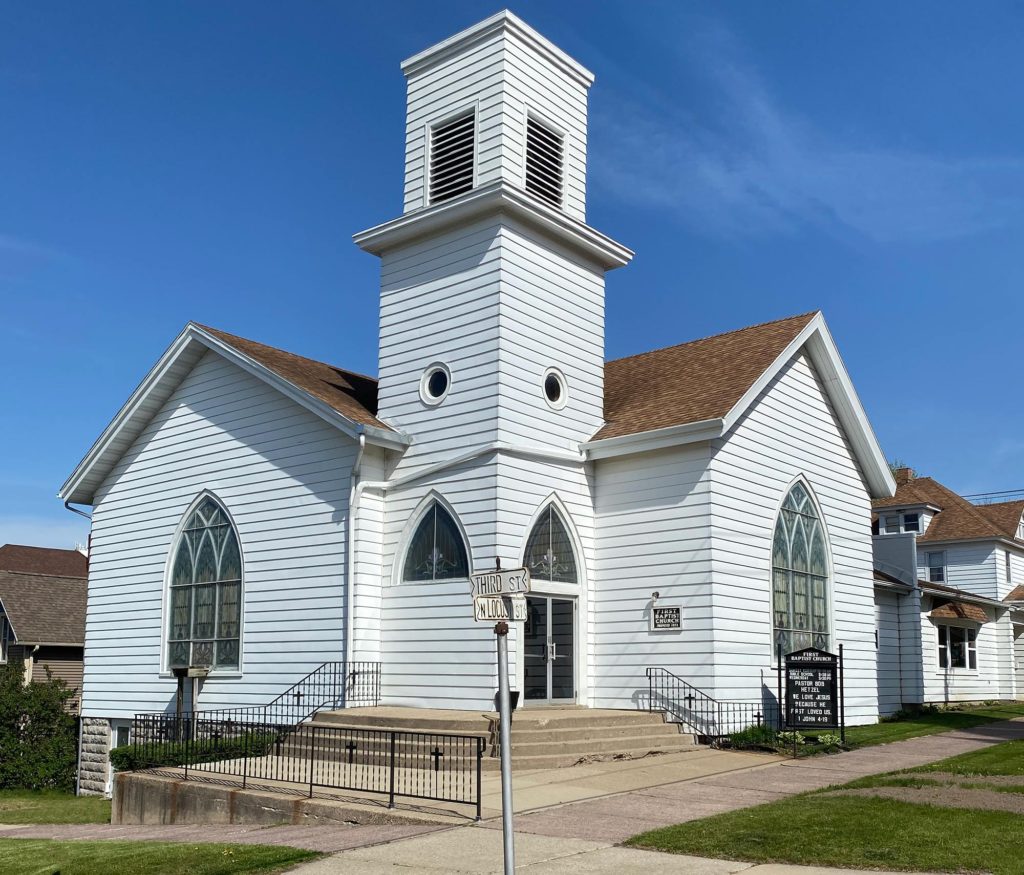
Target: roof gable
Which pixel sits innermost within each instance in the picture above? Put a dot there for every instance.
(700, 390)
(44, 609)
(343, 399)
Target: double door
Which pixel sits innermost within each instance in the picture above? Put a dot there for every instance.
(549, 650)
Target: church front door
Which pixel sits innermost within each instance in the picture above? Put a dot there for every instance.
(549, 657)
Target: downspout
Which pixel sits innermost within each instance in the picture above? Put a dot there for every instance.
(67, 504)
(81, 719)
(350, 551)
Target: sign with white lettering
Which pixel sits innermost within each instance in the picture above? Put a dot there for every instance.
(493, 608)
(666, 618)
(812, 690)
(515, 581)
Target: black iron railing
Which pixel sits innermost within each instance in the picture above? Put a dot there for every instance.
(709, 718)
(277, 756)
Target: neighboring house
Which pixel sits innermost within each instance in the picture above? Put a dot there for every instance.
(260, 513)
(42, 611)
(949, 595)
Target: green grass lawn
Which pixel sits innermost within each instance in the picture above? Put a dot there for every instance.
(865, 832)
(51, 806)
(853, 832)
(32, 857)
(929, 724)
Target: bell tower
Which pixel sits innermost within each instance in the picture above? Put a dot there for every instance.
(492, 284)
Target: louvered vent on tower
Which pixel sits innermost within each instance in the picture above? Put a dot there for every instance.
(451, 157)
(543, 162)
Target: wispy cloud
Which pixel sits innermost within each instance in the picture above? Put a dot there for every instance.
(750, 166)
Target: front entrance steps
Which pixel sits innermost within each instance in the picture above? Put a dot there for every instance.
(542, 738)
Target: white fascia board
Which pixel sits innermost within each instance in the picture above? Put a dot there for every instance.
(903, 588)
(994, 541)
(10, 622)
(187, 341)
(494, 199)
(821, 348)
(657, 439)
(511, 24)
(961, 596)
(899, 508)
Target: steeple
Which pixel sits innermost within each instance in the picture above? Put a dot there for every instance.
(492, 285)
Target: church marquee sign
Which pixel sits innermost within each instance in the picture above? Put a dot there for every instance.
(814, 689)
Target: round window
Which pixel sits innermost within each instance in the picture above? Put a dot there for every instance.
(435, 383)
(554, 388)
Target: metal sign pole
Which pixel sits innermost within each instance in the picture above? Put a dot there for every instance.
(505, 740)
(842, 699)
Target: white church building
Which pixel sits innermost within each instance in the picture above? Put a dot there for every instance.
(259, 513)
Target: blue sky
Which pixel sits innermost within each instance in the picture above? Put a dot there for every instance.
(210, 161)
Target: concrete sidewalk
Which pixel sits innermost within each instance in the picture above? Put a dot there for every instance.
(581, 837)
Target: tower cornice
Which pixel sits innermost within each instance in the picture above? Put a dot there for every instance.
(497, 198)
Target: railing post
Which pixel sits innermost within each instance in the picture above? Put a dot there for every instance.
(479, 766)
(391, 780)
(245, 768)
(312, 745)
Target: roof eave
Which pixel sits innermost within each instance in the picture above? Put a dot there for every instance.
(960, 595)
(656, 439)
(832, 372)
(76, 488)
(492, 199)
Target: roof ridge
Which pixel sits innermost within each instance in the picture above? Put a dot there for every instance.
(223, 333)
(636, 355)
(43, 574)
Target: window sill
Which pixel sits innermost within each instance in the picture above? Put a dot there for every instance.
(213, 675)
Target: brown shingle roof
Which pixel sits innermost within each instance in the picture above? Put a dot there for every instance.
(1016, 594)
(352, 395)
(43, 560)
(958, 518)
(44, 609)
(959, 611)
(691, 382)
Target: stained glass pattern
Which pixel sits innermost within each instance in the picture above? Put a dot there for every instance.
(549, 553)
(206, 592)
(436, 551)
(799, 575)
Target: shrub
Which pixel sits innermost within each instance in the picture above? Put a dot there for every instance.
(130, 757)
(791, 738)
(754, 738)
(38, 738)
(830, 739)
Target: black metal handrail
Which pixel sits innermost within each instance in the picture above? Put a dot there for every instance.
(710, 719)
(392, 762)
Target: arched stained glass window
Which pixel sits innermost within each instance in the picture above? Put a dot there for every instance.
(436, 551)
(799, 576)
(206, 592)
(549, 554)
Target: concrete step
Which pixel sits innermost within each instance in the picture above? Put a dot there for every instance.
(473, 724)
(597, 746)
(526, 732)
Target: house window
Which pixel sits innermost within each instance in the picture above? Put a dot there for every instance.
(800, 613)
(122, 736)
(911, 522)
(452, 147)
(936, 567)
(5, 638)
(1009, 570)
(892, 525)
(437, 551)
(206, 592)
(958, 647)
(549, 553)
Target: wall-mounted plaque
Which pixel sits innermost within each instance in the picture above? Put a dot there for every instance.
(665, 618)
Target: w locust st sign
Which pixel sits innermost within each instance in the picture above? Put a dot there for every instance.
(500, 595)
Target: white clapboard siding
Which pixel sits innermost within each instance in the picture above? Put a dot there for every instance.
(993, 679)
(888, 652)
(650, 535)
(1018, 661)
(282, 474)
(791, 431)
(503, 79)
(972, 567)
(1016, 572)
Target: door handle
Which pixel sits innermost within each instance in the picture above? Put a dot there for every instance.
(552, 651)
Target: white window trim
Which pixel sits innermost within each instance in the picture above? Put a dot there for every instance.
(903, 523)
(5, 638)
(409, 532)
(942, 567)
(969, 647)
(564, 397)
(428, 372)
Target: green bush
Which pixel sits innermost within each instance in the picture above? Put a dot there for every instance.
(130, 757)
(754, 738)
(38, 737)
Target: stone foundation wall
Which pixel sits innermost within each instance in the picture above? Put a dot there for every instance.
(95, 763)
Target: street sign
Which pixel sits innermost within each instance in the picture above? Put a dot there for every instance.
(515, 581)
(492, 609)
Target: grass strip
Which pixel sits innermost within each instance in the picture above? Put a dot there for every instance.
(852, 832)
(999, 759)
(52, 806)
(38, 857)
(930, 723)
